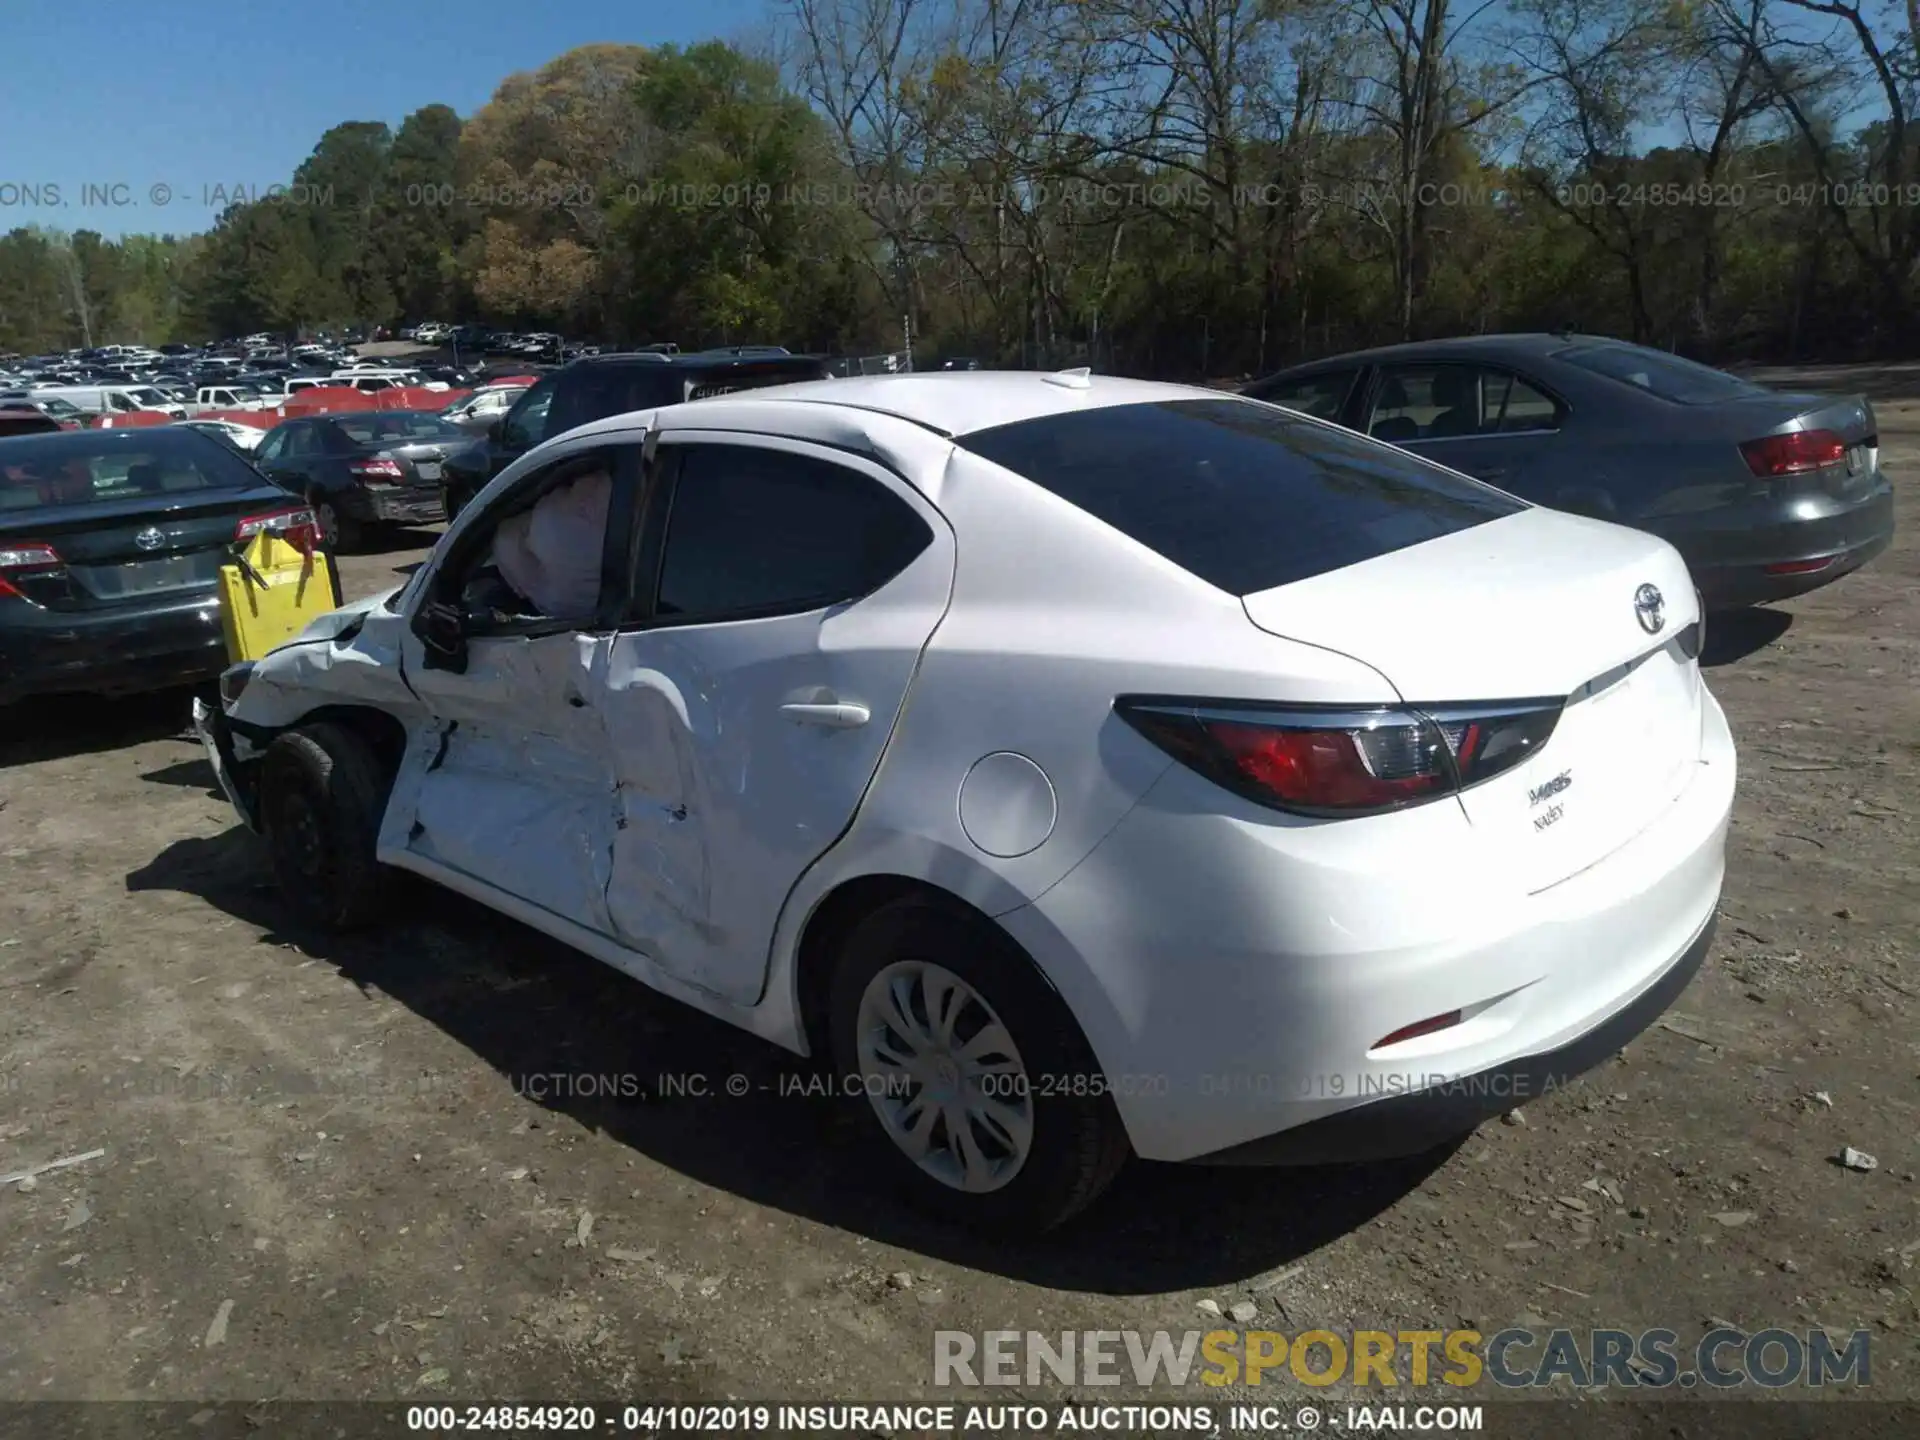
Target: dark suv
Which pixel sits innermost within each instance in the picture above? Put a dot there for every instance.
(596, 386)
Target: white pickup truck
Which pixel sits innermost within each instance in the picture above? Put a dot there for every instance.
(227, 397)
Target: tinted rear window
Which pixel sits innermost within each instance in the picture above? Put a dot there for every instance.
(1668, 376)
(1243, 496)
(405, 425)
(70, 468)
(752, 377)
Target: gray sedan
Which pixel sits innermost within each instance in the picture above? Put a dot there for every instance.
(1766, 493)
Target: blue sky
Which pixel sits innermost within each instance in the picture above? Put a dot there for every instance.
(178, 100)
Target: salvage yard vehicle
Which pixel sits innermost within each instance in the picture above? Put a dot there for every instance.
(1086, 766)
(366, 468)
(1768, 494)
(110, 549)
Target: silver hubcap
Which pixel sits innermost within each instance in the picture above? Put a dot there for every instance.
(944, 1076)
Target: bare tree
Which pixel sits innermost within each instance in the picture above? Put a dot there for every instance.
(1599, 64)
(1816, 74)
(862, 62)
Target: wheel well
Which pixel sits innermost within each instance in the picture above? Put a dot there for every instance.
(833, 919)
(386, 736)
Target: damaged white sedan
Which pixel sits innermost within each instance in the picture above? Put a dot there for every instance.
(1086, 767)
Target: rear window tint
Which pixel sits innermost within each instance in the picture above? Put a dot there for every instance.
(65, 469)
(1668, 376)
(1241, 495)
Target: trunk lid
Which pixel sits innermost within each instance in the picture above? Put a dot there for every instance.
(1535, 605)
(124, 550)
(424, 459)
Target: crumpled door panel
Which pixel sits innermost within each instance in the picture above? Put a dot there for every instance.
(661, 805)
(511, 782)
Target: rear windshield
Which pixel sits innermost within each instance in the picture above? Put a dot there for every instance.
(1241, 495)
(1667, 376)
(754, 377)
(77, 469)
(405, 426)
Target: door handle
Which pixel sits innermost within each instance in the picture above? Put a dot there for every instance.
(834, 716)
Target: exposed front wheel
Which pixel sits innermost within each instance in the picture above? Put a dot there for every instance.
(972, 1076)
(323, 792)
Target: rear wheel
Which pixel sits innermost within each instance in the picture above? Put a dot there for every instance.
(337, 531)
(971, 1075)
(323, 791)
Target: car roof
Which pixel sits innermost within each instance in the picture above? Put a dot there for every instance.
(1463, 347)
(958, 402)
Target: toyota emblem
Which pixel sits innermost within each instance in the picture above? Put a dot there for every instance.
(1650, 606)
(150, 538)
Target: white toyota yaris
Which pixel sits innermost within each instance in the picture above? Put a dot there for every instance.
(1090, 766)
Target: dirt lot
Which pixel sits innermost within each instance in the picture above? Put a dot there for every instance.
(367, 1168)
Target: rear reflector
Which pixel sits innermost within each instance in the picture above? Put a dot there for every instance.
(1800, 567)
(1794, 453)
(1417, 1029)
(1338, 763)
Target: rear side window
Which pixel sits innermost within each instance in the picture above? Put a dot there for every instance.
(1668, 376)
(1320, 396)
(1244, 497)
(765, 532)
(1450, 400)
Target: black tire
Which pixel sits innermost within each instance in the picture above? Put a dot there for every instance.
(341, 533)
(1079, 1143)
(323, 791)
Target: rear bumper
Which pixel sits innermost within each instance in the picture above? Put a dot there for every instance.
(1423, 1120)
(413, 505)
(114, 651)
(1732, 566)
(1235, 976)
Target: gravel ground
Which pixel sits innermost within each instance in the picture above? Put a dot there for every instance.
(333, 1168)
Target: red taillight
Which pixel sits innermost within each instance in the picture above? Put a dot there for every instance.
(380, 472)
(1429, 1026)
(297, 527)
(1328, 769)
(1795, 453)
(20, 559)
(1335, 763)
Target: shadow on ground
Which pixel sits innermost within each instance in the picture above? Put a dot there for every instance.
(55, 727)
(1739, 633)
(193, 774)
(558, 1024)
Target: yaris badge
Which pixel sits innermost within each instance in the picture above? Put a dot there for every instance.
(1650, 607)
